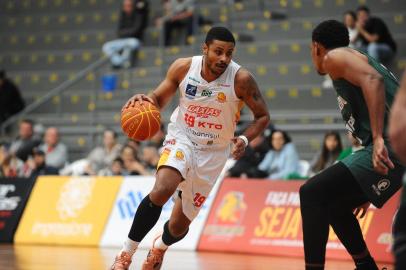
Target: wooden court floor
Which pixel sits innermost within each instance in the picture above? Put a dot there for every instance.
(28, 257)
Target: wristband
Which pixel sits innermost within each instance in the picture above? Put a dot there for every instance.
(245, 139)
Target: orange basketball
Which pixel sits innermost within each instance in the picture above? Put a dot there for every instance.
(140, 122)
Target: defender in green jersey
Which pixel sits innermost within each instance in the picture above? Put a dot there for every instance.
(365, 92)
(397, 131)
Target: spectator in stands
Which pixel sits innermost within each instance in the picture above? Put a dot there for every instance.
(376, 39)
(102, 156)
(355, 146)
(36, 165)
(133, 22)
(56, 153)
(331, 149)
(281, 161)
(132, 164)
(253, 155)
(10, 165)
(11, 101)
(150, 157)
(116, 169)
(350, 21)
(178, 15)
(23, 145)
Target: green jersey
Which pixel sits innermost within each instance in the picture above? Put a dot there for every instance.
(353, 107)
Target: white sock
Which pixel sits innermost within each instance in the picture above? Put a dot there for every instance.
(159, 244)
(130, 246)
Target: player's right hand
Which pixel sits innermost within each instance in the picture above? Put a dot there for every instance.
(140, 98)
(380, 157)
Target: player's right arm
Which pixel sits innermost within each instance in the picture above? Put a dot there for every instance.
(397, 122)
(167, 88)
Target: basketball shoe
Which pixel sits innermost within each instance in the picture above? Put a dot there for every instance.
(122, 261)
(154, 258)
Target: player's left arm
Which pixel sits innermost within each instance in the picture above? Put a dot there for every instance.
(342, 64)
(397, 122)
(247, 90)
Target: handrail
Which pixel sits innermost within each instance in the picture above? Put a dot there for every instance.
(55, 91)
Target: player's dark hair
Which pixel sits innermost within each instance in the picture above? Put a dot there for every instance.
(351, 13)
(2, 74)
(363, 8)
(219, 33)
(331, 34)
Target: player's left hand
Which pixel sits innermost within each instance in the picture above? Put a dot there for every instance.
(380, 157)
(364, 209)
(238, 148)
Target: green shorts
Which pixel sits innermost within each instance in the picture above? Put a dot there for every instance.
(378, 188)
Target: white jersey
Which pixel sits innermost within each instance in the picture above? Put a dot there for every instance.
(207, 111)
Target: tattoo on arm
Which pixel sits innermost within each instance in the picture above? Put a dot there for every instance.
(256, 95)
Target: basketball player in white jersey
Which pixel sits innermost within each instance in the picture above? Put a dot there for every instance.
(200, 138)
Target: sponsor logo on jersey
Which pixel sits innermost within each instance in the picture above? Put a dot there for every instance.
(193, 79)
(180, 155)
(221, 97)
(206, 93)
(341, 102)
(203, 112)
(201, 134)
(171, 142)
(191, 90)
(202, 124)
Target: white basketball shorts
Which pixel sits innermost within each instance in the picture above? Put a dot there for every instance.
(199, 166)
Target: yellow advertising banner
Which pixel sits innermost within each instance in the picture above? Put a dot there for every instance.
(68, 210)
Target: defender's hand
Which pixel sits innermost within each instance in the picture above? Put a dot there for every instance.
(140, 98)
(364, 209)
(380, 157)
(238, 148)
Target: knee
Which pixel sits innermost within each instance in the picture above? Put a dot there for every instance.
(161, 194)
(177, 229)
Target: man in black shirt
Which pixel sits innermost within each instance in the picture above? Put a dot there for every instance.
(376, 39)
(133, 21)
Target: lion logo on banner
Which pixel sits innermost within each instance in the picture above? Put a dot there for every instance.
(232, 207)
(75, 195)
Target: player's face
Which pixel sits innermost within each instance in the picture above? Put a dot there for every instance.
(218, 55)
(317, 57)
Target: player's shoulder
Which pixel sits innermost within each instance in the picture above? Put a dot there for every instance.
(182, 63)
(243, 75)
(179, 68)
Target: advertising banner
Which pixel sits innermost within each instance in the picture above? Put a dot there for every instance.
(14, 193)
(132, 191)
(68, 210)
(264, 217)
